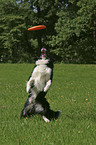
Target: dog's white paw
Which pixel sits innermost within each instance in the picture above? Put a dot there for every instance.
(45, 119)
(48, 84)
(28, 87)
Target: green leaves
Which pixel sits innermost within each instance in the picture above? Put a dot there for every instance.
(13, 30)
(70, 28)
(74, 31)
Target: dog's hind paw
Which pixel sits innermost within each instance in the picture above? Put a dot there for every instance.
(45, 119)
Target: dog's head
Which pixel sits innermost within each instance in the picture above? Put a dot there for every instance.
(43, 53)
(45, 59)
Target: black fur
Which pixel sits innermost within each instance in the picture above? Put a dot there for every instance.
(39, 105)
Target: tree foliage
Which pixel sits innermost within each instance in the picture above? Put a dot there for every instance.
(74, 41)
(13, 33)
(70, 34)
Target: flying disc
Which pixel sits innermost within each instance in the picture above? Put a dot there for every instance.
(39, 27)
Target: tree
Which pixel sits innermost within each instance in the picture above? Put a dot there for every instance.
(74, 40)
(45, 13)
(13, 32)
(17, 16)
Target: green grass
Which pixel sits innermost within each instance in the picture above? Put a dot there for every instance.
(73, 91)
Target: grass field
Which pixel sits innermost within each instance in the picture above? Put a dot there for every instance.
(73, 91)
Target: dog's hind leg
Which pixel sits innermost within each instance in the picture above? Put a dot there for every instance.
(32, 109)
(28, 111)
(45, 110)
(28, 108)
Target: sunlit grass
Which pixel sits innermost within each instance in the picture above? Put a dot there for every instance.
(73, 91)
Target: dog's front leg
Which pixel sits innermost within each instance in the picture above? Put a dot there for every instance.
(30, 83)
(48, 84)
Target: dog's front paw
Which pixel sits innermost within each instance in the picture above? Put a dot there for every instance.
(48, 84)
(28, 87)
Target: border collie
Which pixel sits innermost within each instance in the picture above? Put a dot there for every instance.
(37, 87)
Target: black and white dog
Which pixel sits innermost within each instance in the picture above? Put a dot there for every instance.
(37, 87)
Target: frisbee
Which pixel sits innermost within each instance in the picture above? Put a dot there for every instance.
(39, 27)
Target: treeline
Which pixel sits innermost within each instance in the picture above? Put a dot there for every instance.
(70, 35)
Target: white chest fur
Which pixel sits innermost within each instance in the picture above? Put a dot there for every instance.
(41, 77)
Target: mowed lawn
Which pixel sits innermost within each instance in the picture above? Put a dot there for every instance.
(73, 91)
